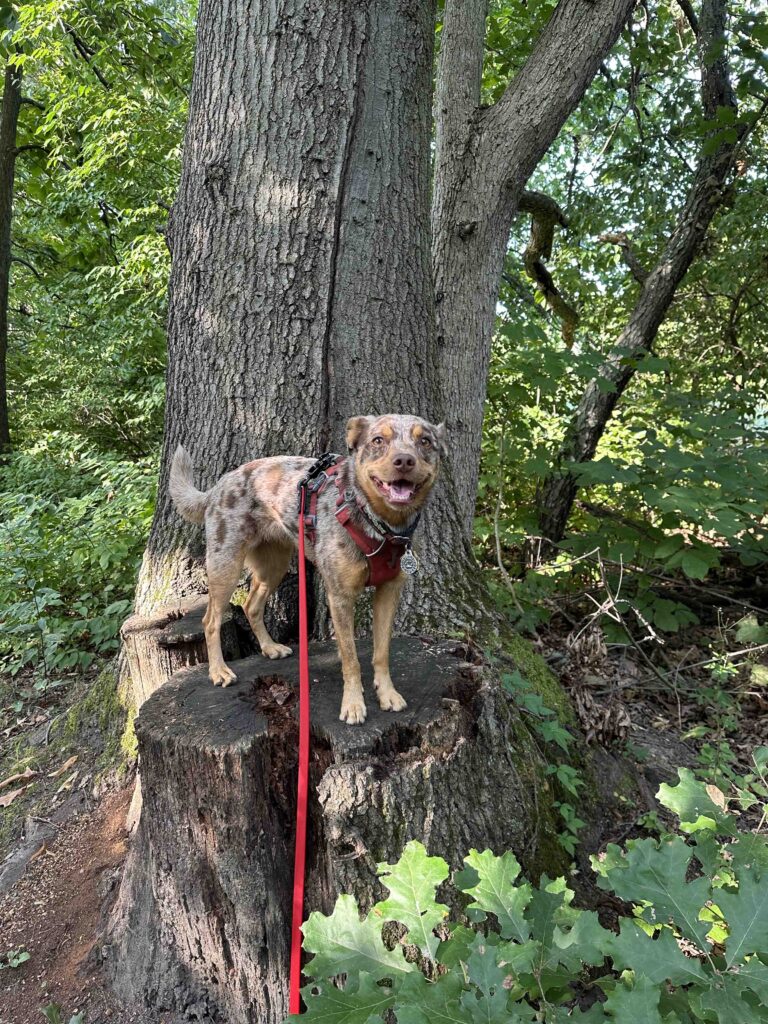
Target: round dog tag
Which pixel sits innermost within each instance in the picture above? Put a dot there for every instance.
(409, 563)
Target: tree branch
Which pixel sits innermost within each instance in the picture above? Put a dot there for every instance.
(687, 8)
(28, 265)
(628, 254)
(545, 214)
(28, 101)
(28, 146)
(459, 75)
(86, 52)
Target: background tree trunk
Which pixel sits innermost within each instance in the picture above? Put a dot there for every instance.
(8, 123)
(587, 425)
(483, 159)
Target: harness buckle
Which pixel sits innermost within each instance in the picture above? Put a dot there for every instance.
(317, 476)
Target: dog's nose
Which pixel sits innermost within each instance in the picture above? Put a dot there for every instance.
(404, 462)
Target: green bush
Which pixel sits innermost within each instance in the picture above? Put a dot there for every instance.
(74, 522)
(694, 949)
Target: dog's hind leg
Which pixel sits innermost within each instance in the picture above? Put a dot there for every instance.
(385, 601)
(223, 576)
(268, 564)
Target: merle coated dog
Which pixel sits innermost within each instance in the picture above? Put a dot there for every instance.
(251, 518)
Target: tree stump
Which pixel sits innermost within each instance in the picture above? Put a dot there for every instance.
(200, 927)
(158, 645)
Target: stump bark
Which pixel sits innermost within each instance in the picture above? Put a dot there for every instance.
(200, 927)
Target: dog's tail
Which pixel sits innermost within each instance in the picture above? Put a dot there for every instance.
(190, 502)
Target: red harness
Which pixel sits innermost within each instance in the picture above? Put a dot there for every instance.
(383, 555)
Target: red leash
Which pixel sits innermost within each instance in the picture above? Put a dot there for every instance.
(300, 854)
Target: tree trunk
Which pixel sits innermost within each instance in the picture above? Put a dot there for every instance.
(301, 289)
(8, 123)
(586, 427)
(483, 159)
(201, 928)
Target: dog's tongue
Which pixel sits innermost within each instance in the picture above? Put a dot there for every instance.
(400, 490)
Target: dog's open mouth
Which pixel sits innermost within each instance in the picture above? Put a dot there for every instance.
(397, 492)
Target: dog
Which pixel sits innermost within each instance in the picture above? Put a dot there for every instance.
(251, 518)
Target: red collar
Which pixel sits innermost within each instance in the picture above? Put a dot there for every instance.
(382, 554)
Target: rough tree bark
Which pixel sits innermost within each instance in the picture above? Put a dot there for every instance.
(558, 490)
(8, 123)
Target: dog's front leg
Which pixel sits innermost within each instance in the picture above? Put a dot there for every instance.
(385, 602)
(342, 607)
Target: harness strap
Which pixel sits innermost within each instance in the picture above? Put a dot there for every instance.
(383, 556)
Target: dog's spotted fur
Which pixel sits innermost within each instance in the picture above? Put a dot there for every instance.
(251, 518)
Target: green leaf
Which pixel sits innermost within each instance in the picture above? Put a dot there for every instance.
(658, 959)
(746, 912)
(749, 851)
(581, 941)
(423, 1002)
(724, 1003)
(691, 802)
(669, 546)
(749, 631)
(332, 1005)
(496, 893)
(344, 944)
(656, 874)
(639, 1004)
(456, 948)
(412, 883)
(542, 914)
(694, 566)
(754, 975)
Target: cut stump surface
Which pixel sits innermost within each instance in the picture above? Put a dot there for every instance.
(201, 926)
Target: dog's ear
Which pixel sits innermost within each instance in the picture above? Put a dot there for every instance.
(357, 428)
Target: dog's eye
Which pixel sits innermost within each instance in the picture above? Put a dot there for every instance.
(378, 441)
(425, 442)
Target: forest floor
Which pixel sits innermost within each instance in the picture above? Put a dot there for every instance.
(64, 839)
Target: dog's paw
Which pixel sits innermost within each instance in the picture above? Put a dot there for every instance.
(391, 700)
(353, 711)
(275, 651)
(222, 676)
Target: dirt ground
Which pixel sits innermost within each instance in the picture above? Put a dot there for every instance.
(53, 913)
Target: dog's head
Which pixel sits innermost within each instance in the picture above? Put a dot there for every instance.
(396, 461)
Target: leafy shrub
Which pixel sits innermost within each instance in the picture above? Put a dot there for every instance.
(678, 487)
(694, 949)
(73, 528)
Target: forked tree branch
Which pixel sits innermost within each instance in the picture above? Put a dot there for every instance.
(628, 254)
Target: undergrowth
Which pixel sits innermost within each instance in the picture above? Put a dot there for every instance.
(73, 522)
(692, 947)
